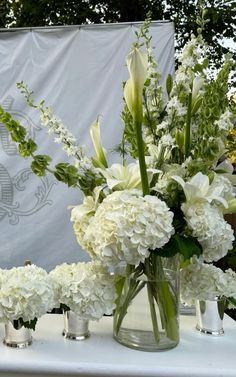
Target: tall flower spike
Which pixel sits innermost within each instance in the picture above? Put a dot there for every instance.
(133, 92)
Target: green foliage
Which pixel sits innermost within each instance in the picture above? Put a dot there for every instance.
(186, 246)
(220, 16)
(66, 173)
(40, 164)
(29, 324)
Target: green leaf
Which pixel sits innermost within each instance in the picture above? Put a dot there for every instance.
(40, 163)
(186, 246)
(29, 324)
(169, 84)
(26, 148)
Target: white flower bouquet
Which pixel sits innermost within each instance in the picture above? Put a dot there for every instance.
(85, 288)
(26, 293)
(171, 200)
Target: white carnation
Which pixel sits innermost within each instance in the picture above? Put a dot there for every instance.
(25, 292)
(127, 225)
(208, 225)
(86, 288)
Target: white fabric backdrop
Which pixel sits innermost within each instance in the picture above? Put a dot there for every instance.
(79, 72)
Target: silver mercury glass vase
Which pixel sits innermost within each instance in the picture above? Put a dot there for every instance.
(16, 335)
(210, 315)
(75, 328)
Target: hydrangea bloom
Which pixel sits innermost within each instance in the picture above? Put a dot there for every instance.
(126, 225)
(25, 292)
(204, 281)
(208, 225)
(86, 288)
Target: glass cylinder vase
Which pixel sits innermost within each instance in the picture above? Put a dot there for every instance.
(147, 312)
(210, 314)
(16, 335)
(75, 328)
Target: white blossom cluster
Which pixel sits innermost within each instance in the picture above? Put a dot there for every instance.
(210, 228)
(86, 288)
(126, 226)
(205, 281)
(25, 292)
(226, 121)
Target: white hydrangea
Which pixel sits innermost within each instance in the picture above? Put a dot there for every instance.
(208, 225)
(86, 288)
(203, 281)
(220, 180)
(80, 216)
(127, 225)
(25, 292)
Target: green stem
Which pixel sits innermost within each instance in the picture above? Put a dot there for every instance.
(153, 312)
(187, 140)
(140, 145)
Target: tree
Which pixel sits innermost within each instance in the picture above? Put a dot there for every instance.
(220, 13)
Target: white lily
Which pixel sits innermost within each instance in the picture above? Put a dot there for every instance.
(121, 177)
(137, 63)
(199, 189)
(96, 139)
(227, 169)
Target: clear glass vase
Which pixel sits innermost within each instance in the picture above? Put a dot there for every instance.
(147, 311)
(75, 328)
(16, 335)
(210, 314)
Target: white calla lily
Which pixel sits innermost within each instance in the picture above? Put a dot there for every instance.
(198, 188)
(96, 139)
(198, 83)
(137, 65)
(226, 169)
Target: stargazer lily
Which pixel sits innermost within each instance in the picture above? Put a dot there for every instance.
(96, 139)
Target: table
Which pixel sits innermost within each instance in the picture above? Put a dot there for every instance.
(51, 355)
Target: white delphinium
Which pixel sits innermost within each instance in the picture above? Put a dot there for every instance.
(85, 288)
(203, 281)
(127, 225)
(175, 107)
(226, 121)
(25, 293)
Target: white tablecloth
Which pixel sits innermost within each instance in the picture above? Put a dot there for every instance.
(51, 355)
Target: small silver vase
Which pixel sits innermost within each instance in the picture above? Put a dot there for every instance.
(210, 315)
(16, 335)
(75, 328)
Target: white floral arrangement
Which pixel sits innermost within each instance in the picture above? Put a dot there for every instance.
(85, 288)
(26, 293)
(171, 200)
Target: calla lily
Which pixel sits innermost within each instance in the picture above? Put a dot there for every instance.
(198, 83)
(121, 177)
(137, 65)
(199, 189)
(96, 139)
